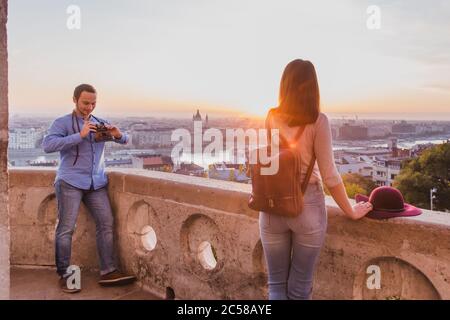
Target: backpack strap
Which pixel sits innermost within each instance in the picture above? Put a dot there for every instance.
(269, 130)
(311, 164)
(309, 172)
(284, 141)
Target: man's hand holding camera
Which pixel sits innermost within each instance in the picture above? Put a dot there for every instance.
(103, 132)
(114, 131)
(87, 128)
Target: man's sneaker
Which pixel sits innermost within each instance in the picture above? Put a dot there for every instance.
(64, 288)
(116, 278)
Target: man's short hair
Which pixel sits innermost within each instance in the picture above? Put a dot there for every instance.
(81, 88)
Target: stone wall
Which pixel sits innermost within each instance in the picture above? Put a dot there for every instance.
(4, 219)
(197, 238)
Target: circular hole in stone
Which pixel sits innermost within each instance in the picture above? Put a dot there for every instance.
(148, 238)
(207, 256)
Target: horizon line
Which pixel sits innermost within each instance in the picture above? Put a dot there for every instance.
(416, 116)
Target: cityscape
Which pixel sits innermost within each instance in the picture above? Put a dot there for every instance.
(174, 189)
(375, 149)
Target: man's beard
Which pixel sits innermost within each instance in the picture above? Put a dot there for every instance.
(84, 115)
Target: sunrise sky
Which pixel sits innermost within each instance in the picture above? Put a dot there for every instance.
(226, 56)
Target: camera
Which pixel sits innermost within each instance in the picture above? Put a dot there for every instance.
(102, 133)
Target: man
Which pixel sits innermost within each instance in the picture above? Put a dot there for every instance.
(81, 177)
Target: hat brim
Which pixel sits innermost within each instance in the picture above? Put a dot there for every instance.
(409, 210)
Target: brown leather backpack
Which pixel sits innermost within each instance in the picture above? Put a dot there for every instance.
(280, 193)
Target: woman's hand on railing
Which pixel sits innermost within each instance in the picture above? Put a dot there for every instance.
(361, 209)
(355, 212)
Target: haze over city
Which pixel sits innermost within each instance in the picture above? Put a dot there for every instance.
(226, 57)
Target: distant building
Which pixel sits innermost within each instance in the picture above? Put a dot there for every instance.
(191, 169)
(348, 164)
(119, 163)
(228, 172)
(118, 146)
(25, 138)
(380, 170)
(403, 128)
(42, 163)
(378, 131)
(198, 117)
(430, 128)
(371, 152)
(334, 133)
(381, 165)
(155, 162)
(353, 132)
(152, 137)
(385, 171)
(120, 154)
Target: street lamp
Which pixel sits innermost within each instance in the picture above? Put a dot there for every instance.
(432, 196)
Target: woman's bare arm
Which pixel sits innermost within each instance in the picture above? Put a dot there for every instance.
(356, 212)
(323, 148)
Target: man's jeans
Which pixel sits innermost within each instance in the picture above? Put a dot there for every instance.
(97, 201)
(292, 246)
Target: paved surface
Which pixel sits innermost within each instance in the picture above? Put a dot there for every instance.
(29, 283)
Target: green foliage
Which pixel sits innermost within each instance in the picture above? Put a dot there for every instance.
(232, 176)
(356, 183)
(430, 170)
(352, 189)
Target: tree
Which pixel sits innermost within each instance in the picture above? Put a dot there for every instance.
(353, 180)
(232, 176)
(355, 183)
(430, 170)
(352, 189)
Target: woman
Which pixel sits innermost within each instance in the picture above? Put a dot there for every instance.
(292, 245)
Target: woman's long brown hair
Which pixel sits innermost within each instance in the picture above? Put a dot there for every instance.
(299, 97)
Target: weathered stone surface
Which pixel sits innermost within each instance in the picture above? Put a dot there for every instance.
(412, 253)
(29, 283)
(4, 218)
(33, 224)
(208, 192)
(351, 246)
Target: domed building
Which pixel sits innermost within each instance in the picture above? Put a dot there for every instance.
(198, 117)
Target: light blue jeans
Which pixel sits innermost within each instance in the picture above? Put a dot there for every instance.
(97, 201)
(292, 246)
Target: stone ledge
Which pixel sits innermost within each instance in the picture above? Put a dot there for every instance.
(183, 211)
(143, 182)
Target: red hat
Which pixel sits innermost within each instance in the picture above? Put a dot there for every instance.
(388, 203)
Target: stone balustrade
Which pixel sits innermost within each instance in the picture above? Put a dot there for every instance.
(197, 238)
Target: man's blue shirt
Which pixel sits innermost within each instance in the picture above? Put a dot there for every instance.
(89, 170)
